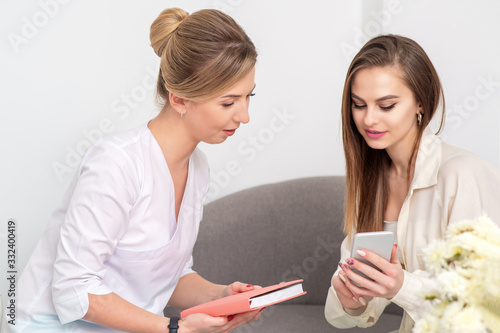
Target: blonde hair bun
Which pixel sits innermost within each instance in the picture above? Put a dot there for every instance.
(164, 26)
(201, 54)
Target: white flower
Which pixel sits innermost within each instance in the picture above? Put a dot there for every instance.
(428, 324)
(491, 316)
(482, 227)
(453, 284)
(450, 312)
(466, 267)
(434, 259)
(491, 283)
(459, 228)
(458, 318)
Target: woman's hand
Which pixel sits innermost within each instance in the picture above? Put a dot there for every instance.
(238, 287)
(386, 284)
(205, 323)
(246, 317)
(348, 299)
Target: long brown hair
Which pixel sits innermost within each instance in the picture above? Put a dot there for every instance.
(202, 54)
(367, 168)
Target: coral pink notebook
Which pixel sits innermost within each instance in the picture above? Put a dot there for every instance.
(249, 301)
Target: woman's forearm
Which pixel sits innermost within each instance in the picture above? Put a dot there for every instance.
(112, 311)
(192, 290)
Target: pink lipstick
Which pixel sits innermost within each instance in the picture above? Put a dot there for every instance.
(374, 134)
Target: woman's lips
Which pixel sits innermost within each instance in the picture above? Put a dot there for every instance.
(229, 132)
(374, 134)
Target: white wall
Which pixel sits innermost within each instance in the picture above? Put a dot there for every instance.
(72, 70)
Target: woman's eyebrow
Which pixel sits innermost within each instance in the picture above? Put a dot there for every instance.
(386, 97)
(353, 95)
(236, 96)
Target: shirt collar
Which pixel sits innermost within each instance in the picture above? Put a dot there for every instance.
(428, 161)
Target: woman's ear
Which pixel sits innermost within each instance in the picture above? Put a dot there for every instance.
(177, 103)
(420, 108)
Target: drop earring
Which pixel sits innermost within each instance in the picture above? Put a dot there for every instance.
(419, 119)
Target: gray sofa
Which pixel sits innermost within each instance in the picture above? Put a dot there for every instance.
(279, 232)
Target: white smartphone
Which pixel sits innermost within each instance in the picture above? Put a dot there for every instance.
(378, 242)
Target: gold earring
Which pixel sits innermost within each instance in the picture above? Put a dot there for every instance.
(419, 119)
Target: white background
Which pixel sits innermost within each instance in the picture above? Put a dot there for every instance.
(73, 70)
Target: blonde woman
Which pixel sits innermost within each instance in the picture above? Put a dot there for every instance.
(399, 177)
(119, 247)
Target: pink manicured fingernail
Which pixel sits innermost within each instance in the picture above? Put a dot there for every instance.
(354, 298)
(349, 261)
(342, 278)
(362, 301)
(343, 268)
(361, 253)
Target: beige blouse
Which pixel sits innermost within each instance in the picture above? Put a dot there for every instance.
(450, 184)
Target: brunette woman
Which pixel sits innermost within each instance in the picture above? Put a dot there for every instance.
(399, 177)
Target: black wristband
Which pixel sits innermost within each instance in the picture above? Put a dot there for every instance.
(173, 326)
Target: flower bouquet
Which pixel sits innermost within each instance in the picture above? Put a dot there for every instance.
(466, 268)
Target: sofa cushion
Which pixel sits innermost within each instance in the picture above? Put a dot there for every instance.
(309, 318)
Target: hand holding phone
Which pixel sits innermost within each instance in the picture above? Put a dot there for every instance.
(378, 242)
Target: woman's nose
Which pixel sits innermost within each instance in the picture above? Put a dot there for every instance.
(371, 117)
(242, 115)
